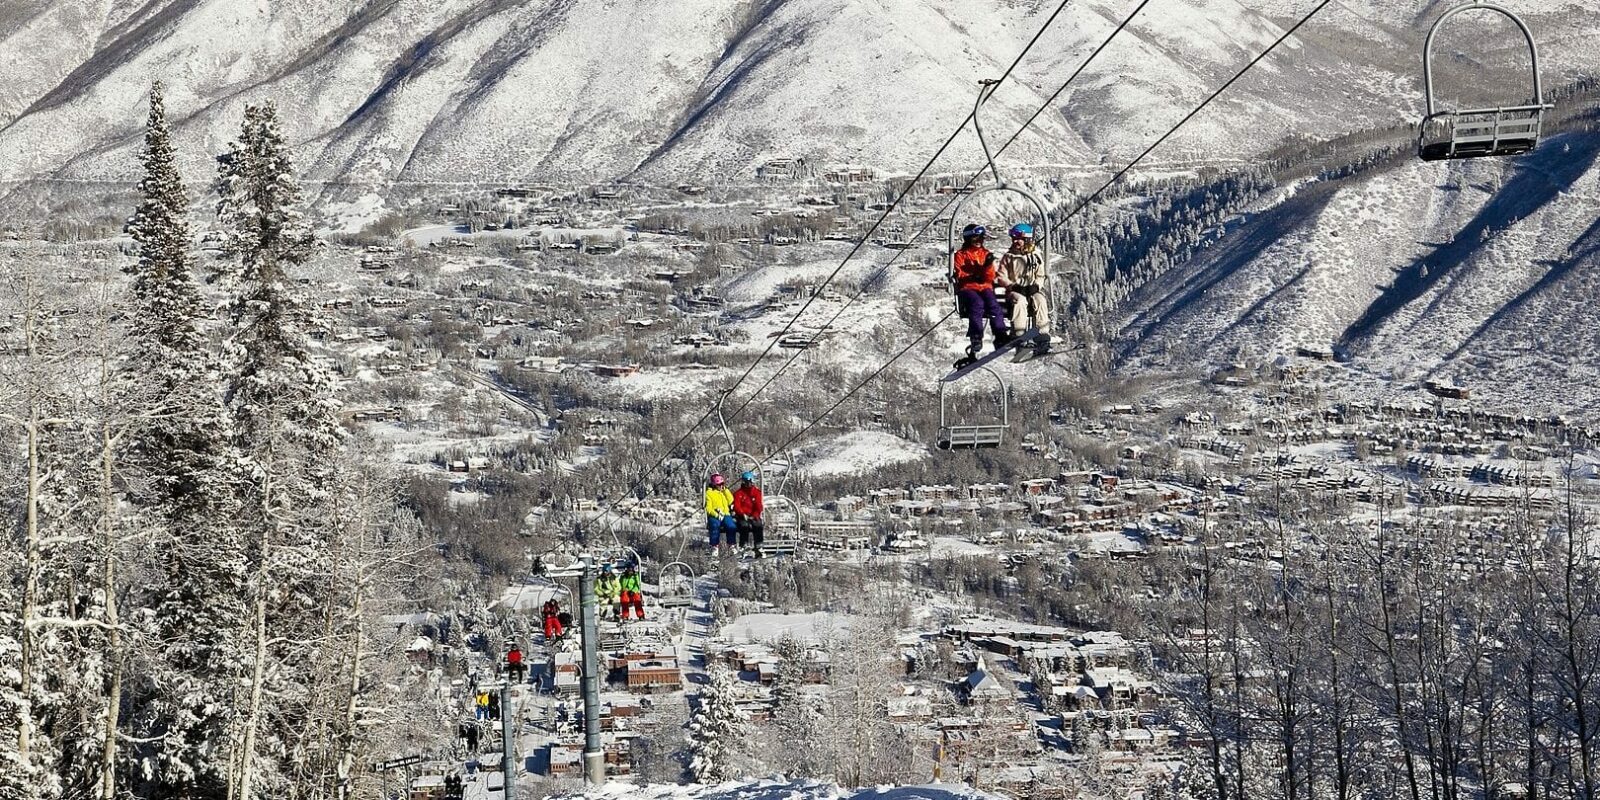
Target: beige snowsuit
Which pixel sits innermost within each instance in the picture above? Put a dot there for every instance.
(1027, 288)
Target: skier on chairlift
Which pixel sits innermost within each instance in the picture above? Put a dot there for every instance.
(1022, 273)
(632, 598)
(607, 589)
(748, 505)
(552, 620)
(719, 513)
(974, 276)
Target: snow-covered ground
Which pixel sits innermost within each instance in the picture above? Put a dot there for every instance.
(857, 452)
(773, 790)
(768, 627)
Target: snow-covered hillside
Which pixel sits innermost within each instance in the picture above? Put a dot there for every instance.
(1482, 272)
(447, 90)
(773, 790)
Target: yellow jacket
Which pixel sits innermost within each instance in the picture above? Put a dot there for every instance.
(607, 588)
(719, 501)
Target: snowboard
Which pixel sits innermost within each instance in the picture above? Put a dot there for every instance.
(966, 366)
(1030, 353)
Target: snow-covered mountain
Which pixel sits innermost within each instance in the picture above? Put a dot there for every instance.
(1484, 272)
(446, 90)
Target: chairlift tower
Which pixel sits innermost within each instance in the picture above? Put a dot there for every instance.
(594, 765)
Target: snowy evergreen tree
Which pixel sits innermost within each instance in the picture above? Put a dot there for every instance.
(285, 426)
(277, 389)
(718, 731)
(181, 473)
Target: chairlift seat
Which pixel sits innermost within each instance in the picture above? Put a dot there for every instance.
(973, 437)
(970, 437)
(1481, 133)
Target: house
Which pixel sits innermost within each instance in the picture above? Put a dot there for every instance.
(981, 686)
(653, 673)
(615, 370)
(427, 787)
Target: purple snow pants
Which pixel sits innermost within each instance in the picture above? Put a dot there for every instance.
(976, 304)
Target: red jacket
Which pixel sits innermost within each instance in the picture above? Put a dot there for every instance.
(514, 657)
(747, 501)
(974, 268)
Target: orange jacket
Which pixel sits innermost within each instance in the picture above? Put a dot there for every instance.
(974, 268)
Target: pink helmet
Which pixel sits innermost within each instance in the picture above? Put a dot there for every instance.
(717, 479)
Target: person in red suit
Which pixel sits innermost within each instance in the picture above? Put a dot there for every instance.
(747, 509)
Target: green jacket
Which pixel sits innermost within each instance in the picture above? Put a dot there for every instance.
(630, 583)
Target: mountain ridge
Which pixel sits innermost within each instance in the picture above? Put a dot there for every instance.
(401, 90)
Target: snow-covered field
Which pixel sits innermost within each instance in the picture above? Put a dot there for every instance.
(857, 452)
(773, 790)
(767, 627)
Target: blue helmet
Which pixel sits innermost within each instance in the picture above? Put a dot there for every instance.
(748, 476)
(1022, 230)
(974, 230)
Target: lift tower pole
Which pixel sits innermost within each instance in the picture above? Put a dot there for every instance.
(594, 767)
(508, 766)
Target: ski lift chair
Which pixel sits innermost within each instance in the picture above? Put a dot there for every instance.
(675, 585)
(953, 228)
(1479, 132)
(973, 437)
(782, 540)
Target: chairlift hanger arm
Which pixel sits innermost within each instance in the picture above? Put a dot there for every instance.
(987, 86)
(1427, 51)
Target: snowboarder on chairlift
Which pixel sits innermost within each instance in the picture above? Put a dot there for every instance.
(553, 629)
(607, 589)
(1022, 273)
(973, 271)
(748, 505)
(719, 513)
(632, 598)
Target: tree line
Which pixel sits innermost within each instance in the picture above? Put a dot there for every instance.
(195, 547)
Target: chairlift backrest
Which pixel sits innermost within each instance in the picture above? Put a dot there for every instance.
(1478, 132)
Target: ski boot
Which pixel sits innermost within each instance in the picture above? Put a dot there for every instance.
(1041, 345)
(1003, 339)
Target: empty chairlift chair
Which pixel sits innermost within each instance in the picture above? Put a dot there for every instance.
(782, 527)
(974, 436)
(1480, 132)
(675, 585)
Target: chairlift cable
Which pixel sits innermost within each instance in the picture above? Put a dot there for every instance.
(953, 198)
(1114, 178)
(1076, 210)
(643, 476)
